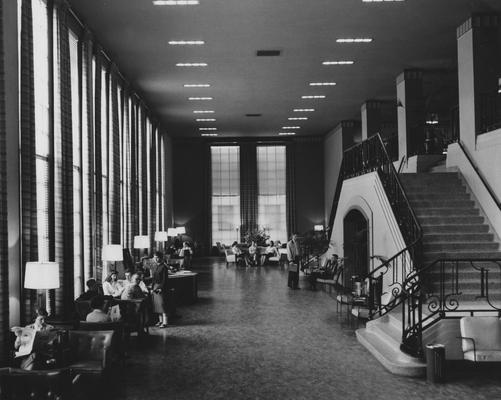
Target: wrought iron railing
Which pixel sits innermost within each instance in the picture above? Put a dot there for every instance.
(369, 156)
(446, 288)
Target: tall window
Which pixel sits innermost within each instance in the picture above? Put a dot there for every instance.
(225, 162)
(272, 215)
(42, 139)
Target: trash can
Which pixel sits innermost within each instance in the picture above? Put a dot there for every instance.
(435, 363)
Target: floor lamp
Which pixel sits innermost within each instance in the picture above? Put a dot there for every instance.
(141, 242)
(42, 275)
(112, 253)
(161, 237)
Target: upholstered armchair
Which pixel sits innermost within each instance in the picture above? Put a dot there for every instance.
(89, 352)
(481, 338)
(19, 384)
(120, 340)
(230, 257)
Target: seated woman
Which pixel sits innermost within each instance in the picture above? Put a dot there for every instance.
(271, 251)
(111, 286)
(133, 291)
(98, 314)
(239, 255)
(253, 254)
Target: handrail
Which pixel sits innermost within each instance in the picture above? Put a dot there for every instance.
(480, 175)
(335, 201)
(443, 302)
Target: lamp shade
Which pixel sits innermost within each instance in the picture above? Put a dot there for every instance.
(161, 236)
(141, 242)
(172, 232)
(41, 275)
(318, 228)
(112, 252)
(181, 230)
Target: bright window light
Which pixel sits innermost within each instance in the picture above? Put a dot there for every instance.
(207, 129)
(175, 2)
(206, 120)
(313, 97)
(191, 64)
(337, 62)
(286, 133)
(186, 42)
(354, 40)
(196, 85)
(322, 83)
(200, 98)
(297, 118)
(203, 112)
(303, 110)
(291, 127)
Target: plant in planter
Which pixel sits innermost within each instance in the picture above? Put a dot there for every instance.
(259, 236)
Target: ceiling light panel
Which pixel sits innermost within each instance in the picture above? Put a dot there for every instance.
(354, 40)
(196, 85)
(297, 118)
(175, 2)
(346, 62)
(207, 129)
(209, 134)
(203, 112)
(206, 120)
(286, 133)
(313, 97)
(197, 64)
(303, 110)
(322, 83)
(291, 127)
(200, 98)
(186, 42)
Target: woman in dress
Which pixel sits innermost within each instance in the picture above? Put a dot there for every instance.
(159, 276)
(111, 285)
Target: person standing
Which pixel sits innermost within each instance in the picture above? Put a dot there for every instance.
(293, 254)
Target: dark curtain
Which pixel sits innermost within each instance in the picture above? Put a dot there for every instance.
(248, 188)
(153, 182)
(29, 246)
(290, 189)
(134, 172)
(64, 296)
(114, 193)
(4, 255)
(144, 173)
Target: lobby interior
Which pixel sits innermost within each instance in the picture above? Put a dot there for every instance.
(330, 119)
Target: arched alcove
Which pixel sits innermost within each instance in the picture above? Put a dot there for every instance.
(356, 245)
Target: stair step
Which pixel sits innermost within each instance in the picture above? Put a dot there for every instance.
(459, 246)
(435, 203)
(429, 257)
(441, 196)
(455, 228)
(461, 236)
(452, 220)
(425, 176)
(445, 212)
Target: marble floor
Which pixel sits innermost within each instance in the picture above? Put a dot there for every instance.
(250, 337)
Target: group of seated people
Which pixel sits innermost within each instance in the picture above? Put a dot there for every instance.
(253, 257)
(327, 270)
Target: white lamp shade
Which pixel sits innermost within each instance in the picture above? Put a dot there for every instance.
(172, 232)
(41, 275)
(141, 242)
(112, 252)
(161, 236)
(318, 228)
(181, 230)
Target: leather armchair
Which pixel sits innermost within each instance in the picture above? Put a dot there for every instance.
(119, 341)
(89, 352)
(481, 338)
(18, 384)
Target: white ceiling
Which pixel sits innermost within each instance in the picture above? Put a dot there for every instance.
(407, 34)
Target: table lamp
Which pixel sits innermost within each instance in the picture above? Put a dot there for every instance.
(142, 242)
(181, 230)
(172, 232)
(112, 253)
(161, 236)
(41, 275)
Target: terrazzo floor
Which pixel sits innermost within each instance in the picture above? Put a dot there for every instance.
(250, 337)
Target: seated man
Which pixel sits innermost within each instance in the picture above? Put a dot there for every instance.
(93, 290)
(133, 291)
(253, 253)
(239, 255)
(97, 314)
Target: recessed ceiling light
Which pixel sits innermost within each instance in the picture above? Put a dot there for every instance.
(297, 118)
(203, 112)
(186, 42)
(191, 64)
(354, 40)
(291, 127)
(303, 110)
(200, 98)
(313, 97)
(209, 134)
(196, 85)
(207, 129)
(206, 120)
(286, 133)
(322, 83)
(175, 2)
(338, 62)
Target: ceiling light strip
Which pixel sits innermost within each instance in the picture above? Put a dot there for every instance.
(209, 134)
(175, 2)
(322, 83)
(207, 129)
(186, 42)
(286, 133)
(313, 97)
(203, 112)
(196, 85)
(205, 119)
(200, 64)
(354, 40)
(303, 110)
(346, 62)
(200, 98)
(297, 118)
(291, 127)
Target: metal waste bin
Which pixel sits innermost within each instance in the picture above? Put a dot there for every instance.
(435, 363)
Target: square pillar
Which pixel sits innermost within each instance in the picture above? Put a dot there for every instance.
(410, 113)
(371, 118)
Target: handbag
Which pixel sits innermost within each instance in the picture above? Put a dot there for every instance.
(293, 267)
